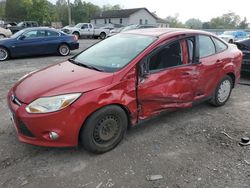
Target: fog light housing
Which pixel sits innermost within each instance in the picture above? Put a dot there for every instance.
(53, 135)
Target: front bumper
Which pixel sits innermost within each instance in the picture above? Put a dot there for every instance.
(35, 128)
(74, 46)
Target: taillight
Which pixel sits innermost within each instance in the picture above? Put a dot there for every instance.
(75, 38)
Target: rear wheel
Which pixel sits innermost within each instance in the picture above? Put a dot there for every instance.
(2, 36)
(63, 50)
(104, 129)
(77, 35)
(102, 35)
(4, 54)
(222, 92)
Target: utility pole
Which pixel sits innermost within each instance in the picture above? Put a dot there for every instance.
(69, 12)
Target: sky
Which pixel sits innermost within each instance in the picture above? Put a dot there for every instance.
(204, 10)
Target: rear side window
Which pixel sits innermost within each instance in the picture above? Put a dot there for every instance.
(169, 56)
(206, 46)
(220, 46)
(52, 34)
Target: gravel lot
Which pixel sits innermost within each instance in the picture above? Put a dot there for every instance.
(186, 147)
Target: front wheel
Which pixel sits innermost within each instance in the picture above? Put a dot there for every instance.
(104, 129)
(63, 50)
(222, 92)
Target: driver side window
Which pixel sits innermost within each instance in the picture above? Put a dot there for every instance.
(169, 56)
(84, 26)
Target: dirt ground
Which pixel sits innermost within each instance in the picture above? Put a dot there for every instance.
(194, 147)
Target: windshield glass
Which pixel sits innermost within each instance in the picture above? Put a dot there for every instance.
(78, 25)
(17, 34)
(131, 27)
(20, 24)
(229, 33)
(115, 52)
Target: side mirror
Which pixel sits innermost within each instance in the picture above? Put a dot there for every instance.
(143, 69)
(21, 37)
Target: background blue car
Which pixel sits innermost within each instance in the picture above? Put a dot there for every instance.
(37, 41)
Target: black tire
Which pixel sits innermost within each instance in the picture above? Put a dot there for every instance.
(218, 99)
(231, 41)
(104, 129)
(2, 36)
(63, 50)
(102, 35)
(4, 54)
(77, 35)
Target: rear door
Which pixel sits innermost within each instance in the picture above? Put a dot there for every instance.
(212, 58)
(170, 79)
(53, 39)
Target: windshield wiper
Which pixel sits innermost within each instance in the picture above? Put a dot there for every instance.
(84, 65)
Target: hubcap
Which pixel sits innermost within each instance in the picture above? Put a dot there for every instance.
(106, 130)
(224, 91)
(3, 54)
(64, 50)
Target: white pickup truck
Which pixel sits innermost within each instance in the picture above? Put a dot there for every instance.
(87, 30)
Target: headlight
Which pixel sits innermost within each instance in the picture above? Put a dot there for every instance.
(51, 104)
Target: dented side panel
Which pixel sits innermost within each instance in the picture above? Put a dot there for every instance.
(172, 88)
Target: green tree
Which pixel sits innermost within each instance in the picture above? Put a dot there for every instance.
(39, 12)
(2, 9)
(206, 25)
(17, 10)
(193, 23)
(61, 10)
(243, 24)
(226, 21)
(174, 21)
(111, 7)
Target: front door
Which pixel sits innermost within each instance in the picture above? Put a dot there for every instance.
(31, 43)
(171, 78)
(85, 30)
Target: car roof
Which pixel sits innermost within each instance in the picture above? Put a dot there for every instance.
(161, 32)
(40, 28)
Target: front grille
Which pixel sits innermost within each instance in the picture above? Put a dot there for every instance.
(23, 129)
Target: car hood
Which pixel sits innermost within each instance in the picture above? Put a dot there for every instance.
(60, 79)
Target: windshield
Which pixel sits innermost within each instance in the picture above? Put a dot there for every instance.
(20, 24)
(17, 34)
(78, 25)
(131, 27)
(115, 52)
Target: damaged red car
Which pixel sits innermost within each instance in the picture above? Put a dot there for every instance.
(93, 98)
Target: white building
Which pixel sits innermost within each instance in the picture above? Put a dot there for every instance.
(126, 17)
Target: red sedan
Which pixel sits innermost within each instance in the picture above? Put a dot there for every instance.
(93, 97)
